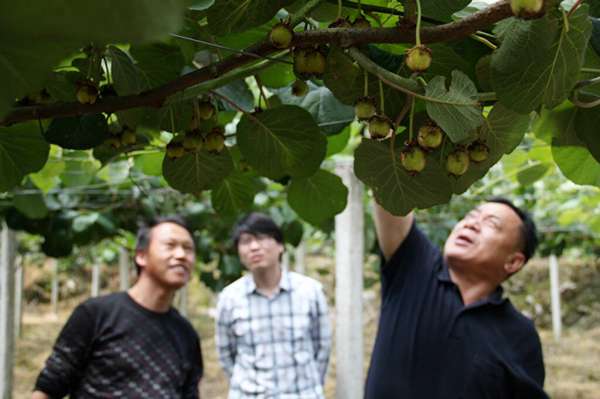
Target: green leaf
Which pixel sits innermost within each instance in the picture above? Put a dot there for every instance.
(502, 132)
(126, 76)
(115, 173)
(338, 142)
(62, 86)
(570, 154)
(280, 141)
(539, 60)
(100, 22)
(23, 150)
(331, 115)
(293, 232)
(532, 173)
(196, 172)
(235, 194)
(587, 123)
(77, 132)
(442, 9)
(230, 16)
(318, 197)
(150, 164)
(239, 92)
(47, 178)
(159, 63)
(31, 205)
(393, 188)
(25, 65)
(456, 109)
(278, 75)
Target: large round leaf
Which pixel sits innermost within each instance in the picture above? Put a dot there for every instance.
(22, 150)
(229, 16)
(539, 60)
(318, 197)
(235, 194)
(587, 123)
(281, 141)
(198, 171)
(376, 165)
(77, 132)
(31, 205)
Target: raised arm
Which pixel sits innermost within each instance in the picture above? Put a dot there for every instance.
(391, 230)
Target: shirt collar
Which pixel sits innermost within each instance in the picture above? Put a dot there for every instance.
(284, 282)
(495, 298)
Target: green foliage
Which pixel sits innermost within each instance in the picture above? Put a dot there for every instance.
(491, 85)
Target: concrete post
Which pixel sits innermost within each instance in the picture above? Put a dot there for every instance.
(7, 310)
(123, 269)
(54, 286)
(95, 290)
(349, 255)
(19, 282)
(555, 297)
(182, 300)
(299, 258)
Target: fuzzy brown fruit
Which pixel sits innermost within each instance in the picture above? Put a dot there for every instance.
(361, 22)
(281, 35)
(128, 137)
(413, 159)
(527, 9)
(341, 22)
(175, 149)
(380, 127)
(457, 162)
(418, 58)
(478, 151)
(430, 137)
(87, 92)
(193, 141)
(206, 110)
(113, 142)
(299, 88)
(316, 62)
(215, 140)
(365, 108)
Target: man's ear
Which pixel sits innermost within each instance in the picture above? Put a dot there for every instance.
(514, 263)
(140, 258)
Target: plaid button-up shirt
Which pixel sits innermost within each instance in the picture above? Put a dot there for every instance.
(275, 348)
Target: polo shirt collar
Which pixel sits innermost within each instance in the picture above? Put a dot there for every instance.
(495, 298)
(284, 282)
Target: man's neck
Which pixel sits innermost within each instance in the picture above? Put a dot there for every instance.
(471, 289)
(267, 280)
(151, 295)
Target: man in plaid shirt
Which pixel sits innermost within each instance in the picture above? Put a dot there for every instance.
(273, 331)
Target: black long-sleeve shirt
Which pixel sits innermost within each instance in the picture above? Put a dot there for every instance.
(112, 347)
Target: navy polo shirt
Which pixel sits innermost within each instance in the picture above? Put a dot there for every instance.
(430, 345)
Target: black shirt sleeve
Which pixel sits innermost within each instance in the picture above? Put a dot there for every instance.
(69, 356)
(415, 258)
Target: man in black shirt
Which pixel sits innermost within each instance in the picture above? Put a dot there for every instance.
(132, 344)
(445, 330)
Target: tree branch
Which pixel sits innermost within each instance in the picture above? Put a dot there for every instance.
(343, 37)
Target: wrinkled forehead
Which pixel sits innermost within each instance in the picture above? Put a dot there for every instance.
(170, 231)
(502, 211)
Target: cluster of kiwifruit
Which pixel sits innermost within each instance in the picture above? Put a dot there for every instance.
(413, 156)
(121, 137)
(194, 138)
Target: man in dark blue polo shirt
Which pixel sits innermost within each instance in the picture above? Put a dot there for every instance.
(445, 329)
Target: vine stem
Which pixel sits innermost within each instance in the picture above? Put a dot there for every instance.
(418, 29)
(366, 83)
(411, 119)
(381, 97)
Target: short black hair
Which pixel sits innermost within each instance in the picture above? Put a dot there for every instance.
(529, 237)
(257, 223)
(144, 233)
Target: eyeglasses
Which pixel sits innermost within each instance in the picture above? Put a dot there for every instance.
(247, 239)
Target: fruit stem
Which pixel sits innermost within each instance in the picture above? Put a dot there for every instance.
(381, 97)
(418, 29)
(566, 21)
(411, 119)
(404, 110)
(261, 91)
(339, 14)
(366, 83)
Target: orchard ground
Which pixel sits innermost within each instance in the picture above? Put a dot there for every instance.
(572, 371)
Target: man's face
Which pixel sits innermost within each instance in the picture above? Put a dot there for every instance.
(486, 242)
(259, 251)
(170, 256)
